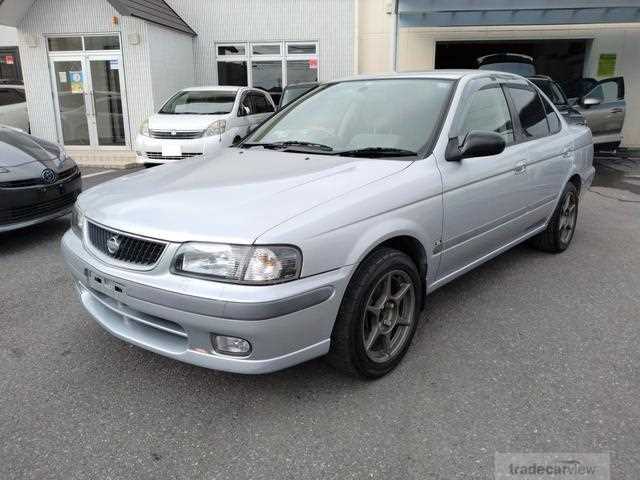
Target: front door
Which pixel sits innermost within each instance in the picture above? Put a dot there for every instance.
(484, 197)
(89, 98)
(605, 119)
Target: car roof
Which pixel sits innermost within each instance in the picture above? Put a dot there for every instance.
(220, 88)
(443, 74)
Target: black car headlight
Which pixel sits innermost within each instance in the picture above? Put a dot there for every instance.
(257, 264)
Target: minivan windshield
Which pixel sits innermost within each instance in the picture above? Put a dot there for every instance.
(380, 117)
(200, 102)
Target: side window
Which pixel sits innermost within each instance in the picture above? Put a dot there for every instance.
(533, 118)
(607, 91)
(552, 117)
(488, 111)
(246, 102)
(261, 103)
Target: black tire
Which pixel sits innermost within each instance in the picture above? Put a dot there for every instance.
(554, 239)
(348, 353)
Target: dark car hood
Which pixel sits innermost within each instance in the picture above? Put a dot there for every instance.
(23, 156)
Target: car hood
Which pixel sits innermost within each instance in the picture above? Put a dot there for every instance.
(182, 122)
(233, 198)
(23, 156)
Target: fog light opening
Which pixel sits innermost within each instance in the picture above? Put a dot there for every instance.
(234, 346)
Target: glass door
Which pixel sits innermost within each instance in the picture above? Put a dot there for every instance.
(71, 100)
(106, 99)
(90, 100)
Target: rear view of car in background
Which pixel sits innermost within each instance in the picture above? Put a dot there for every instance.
(508, 62)
(201, 121)
(38, 180)
(13, 107)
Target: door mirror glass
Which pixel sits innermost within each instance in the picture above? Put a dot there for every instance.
(475, 144)
(590, 101)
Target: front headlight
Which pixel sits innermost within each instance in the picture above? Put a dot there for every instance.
(216, 128)
(77, 221)
(144, 128)
(239, 263)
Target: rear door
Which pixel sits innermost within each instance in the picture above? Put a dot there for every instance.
(548, 151)
(607, 118)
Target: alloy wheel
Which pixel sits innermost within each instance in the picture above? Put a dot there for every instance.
(388, 316)
(568, 216)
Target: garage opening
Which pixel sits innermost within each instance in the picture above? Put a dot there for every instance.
(562, 60)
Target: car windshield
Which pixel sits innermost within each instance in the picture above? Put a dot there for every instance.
(200, 102)
(291, 93)
(390, 115)
(551, 90)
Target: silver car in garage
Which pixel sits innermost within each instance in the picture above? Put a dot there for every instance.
(323, 232)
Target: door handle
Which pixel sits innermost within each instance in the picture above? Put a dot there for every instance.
(616, 110)
(520, 168)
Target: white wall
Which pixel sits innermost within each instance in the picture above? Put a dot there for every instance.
(330, 22)
(79, 16)
(8, 36)
(172, 65)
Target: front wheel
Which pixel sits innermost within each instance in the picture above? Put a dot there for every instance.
(378, 315)
(559, 232)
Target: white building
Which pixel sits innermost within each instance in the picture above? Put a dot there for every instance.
(95, 69)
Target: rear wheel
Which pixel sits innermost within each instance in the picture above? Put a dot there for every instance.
(378, 315)
(559, 232)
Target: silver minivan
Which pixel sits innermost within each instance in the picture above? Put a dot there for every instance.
(324, 231)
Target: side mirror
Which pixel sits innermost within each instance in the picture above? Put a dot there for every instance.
(590, 101)
(475, 144)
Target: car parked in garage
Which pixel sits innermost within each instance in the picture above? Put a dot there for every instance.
(554, 92)
(604, 108)
(201, 120)
(38, 180)
(13, 107)
(324, 230)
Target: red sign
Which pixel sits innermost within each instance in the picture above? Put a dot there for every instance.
(313, 63)
(8, 59)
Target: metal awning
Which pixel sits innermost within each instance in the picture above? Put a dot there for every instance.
(452, 13)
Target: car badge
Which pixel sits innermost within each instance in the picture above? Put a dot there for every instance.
(49, 176)
(173, 133)
(113, 244)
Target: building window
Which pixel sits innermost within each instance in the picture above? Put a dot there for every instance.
(269, 66)
(80, 43)
(10, 71)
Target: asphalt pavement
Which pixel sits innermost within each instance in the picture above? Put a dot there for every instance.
(529, 353)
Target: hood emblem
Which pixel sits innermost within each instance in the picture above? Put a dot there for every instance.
(48, 176)
(113, 244)
(173, 133)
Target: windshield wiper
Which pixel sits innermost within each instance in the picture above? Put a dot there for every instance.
(290, 143)
(377, 152)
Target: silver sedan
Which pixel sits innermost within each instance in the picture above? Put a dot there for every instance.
(323, 232)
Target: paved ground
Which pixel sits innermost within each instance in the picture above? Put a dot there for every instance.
(529, 353)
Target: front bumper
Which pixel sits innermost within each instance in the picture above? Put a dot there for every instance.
(25, 206)
(149, 150)
(175, 316)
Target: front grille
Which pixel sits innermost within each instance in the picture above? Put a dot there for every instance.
(63, 177)
(37, 210)
(175, 134)
(133, 250)
(158, 156)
